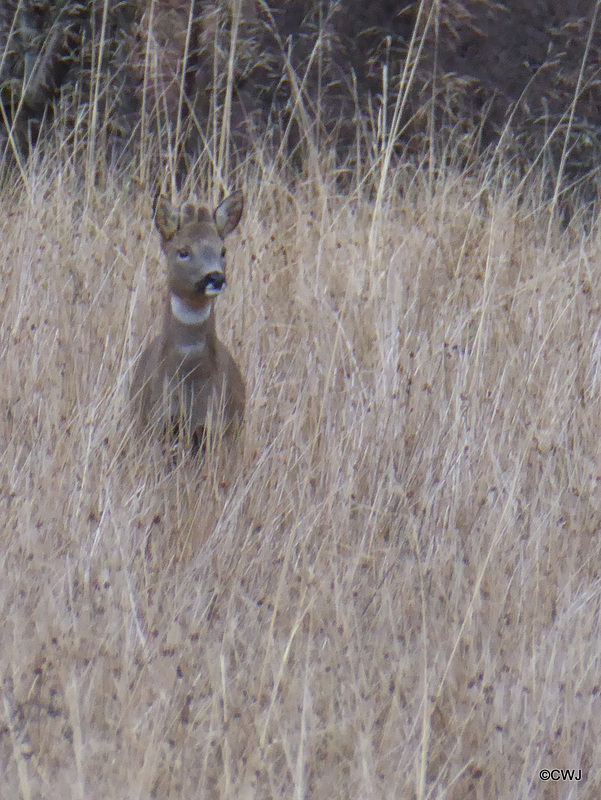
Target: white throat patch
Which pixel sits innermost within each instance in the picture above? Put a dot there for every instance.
(191, 350)
(189, 316)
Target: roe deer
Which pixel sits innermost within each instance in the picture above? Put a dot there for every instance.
(187, 366)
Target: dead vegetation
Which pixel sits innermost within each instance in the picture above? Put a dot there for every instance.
(390, 589)
(521, 75)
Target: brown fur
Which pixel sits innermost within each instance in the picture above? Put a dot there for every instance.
(186, 364)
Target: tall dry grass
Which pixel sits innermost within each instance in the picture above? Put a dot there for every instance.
(391, 587)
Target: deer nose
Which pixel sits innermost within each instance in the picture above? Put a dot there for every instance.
(211, 284)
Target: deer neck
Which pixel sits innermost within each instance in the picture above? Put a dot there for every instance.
(190, 326)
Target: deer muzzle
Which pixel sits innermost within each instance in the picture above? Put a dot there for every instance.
(211, 284)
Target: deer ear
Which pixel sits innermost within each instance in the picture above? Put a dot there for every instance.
(166, 217)
(227, 214)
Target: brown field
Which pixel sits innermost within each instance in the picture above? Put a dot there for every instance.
(390, 588)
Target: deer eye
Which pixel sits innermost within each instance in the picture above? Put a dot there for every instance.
(223, 251)
(183, 254)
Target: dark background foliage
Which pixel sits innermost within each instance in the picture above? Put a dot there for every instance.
(498, 71)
